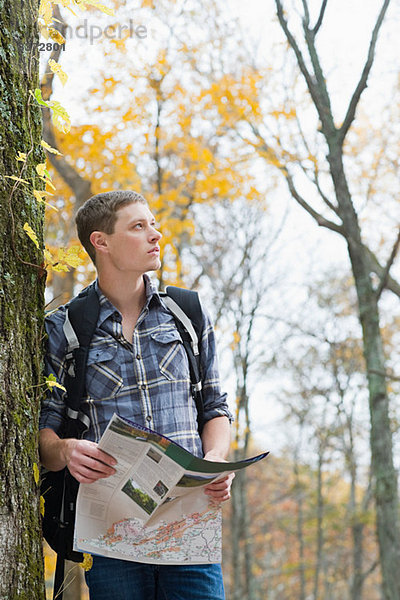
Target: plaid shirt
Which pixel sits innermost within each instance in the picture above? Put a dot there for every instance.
(146, 381)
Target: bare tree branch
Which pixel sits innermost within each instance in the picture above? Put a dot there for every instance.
(306, 19)
(315, 178)
(296, 49)
(376, 267)
(362, 84)
(321, 220)
(316, 83)
(385, 374)
(320, 18)
(383, 281)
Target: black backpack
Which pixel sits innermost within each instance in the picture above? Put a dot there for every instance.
(59, 488)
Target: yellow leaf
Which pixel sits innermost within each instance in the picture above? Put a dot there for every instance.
(56, 35)
(56, 68)
(70, 256)
(97, 4)
(36, 473)
(21, 156)
(48, 182)
(31, 234)
(39, 197)
(59, 268)
(46, 11)
(40, 193)
(60, 117)
(44, 33)
(41, 505)
(16, 178)
(51, 382)
(87, 562)
(47, 255)
(41, 169)
(49, 148)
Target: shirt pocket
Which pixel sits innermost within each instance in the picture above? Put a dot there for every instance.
(103, 373)
(171, 355)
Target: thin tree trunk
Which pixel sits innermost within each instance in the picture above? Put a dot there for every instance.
(236, 592)
(357, 525)
(320, 513)
(21, 306)
(300, 529)
(248, 546)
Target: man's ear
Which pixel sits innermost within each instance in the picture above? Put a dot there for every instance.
(98, 241)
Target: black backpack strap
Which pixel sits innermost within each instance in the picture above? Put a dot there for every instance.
(60, 488)
(58, 585)
(186, 309)
(80, 323)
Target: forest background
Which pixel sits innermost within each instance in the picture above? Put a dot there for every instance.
(246, 128)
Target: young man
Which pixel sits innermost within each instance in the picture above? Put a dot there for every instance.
(137, 367)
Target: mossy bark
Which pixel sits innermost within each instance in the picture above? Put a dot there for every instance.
(21, 305)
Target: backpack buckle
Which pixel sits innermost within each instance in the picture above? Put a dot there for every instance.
(69, 358)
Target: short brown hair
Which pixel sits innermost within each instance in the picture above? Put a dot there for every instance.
(99, 213)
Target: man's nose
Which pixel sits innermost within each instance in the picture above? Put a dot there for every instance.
(155, 234)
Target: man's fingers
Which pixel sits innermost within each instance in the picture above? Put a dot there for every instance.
(87, 463)
(88, 473)
(101, 456)
(90, 449)
(220, 490)
(222, 483)
(97, 465)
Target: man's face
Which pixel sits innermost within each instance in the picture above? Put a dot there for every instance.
(133, 246)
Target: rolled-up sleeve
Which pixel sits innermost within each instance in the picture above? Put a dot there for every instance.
(215, 404)
(53, 404)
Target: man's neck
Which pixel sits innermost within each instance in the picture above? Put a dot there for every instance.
(126, 295)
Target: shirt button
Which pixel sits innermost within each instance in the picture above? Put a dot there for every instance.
(138, 356)
(148, 418)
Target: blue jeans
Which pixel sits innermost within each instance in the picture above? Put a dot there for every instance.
(114, 579)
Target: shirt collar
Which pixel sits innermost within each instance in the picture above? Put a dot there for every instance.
(107, 308)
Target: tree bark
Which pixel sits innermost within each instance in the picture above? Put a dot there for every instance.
(21, 306)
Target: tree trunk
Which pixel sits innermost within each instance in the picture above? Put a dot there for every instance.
(383, 471)
(21, 306)
(236, 520)
(320, 516)
(299, 494)
(385, 478)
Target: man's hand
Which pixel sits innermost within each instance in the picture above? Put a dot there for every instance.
(83, 458)
(86, 462)
(219, 490)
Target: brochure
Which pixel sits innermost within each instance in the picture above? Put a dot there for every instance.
(153, 509)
